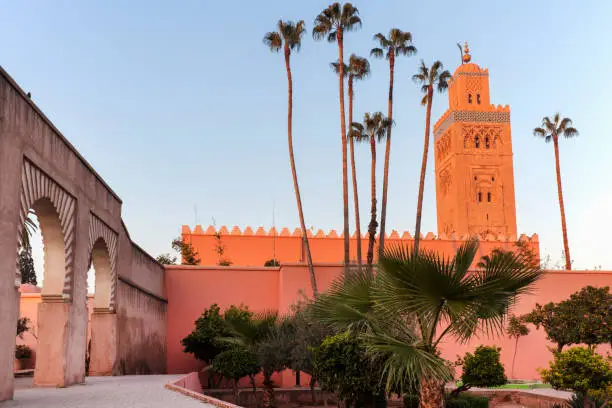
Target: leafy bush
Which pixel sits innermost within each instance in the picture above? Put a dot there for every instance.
(272, 262)
(23, 325)
(234, 364)
(579, 369)
(467, 401)
(584, 318)
(483, 368)
(205, 342)
(23, 352)
(342, 366)
(411, 401)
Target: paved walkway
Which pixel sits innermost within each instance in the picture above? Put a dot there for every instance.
(104, 392)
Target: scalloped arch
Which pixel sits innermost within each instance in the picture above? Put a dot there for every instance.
(35, 185)
(99, 230)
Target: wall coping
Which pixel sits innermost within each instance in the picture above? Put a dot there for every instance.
(226, 268)
(173, 386)
(140, 288)
(339, 265)
(333, 234)
(45, 119)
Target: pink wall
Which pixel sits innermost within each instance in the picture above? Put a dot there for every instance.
(191, 289)
(28, 307)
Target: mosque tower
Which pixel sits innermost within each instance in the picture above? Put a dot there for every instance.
(473, 158)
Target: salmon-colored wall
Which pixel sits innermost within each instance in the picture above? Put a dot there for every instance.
(248, 248)
(191, 289)
(28, 307)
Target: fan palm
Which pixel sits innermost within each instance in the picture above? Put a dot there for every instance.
(417, 300)
(398, 43)
(289, 38)
(358, 68)
(428, 78)
(374, 129)
(331, 24)
(269, 337)
(552, 130)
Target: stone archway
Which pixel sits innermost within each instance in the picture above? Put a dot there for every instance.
(56, 212)
(103, 249)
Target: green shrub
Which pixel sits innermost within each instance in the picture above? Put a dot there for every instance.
(272, 262)
(411, 401)
(342, 366)
(235, 363)
(579, 369)
(23, 352)
(483, 368)
(205, 342)
(467, 401)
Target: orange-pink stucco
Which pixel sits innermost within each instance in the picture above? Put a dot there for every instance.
(191, 289)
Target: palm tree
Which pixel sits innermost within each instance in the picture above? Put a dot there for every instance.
(418, 299)
(398, 43)
(269, 337)
(332, 23)
(516, 329)
(358, 68)
(29, 228)
(289, 38)
(374, 129)
(428, 79)
(552, 130)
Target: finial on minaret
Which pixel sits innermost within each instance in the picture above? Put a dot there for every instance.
(466, 53)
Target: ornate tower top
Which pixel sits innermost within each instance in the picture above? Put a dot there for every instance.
(473, 158)
(466, 53)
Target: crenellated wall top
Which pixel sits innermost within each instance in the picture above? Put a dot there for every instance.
(332, 234)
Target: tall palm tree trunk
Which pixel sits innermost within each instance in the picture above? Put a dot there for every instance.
(354, 174)
(431, 393)
(568, 259)
(514, 356)
(373, 224)
(296, 187)
(383, 208)
(417, 228)
(347, 237)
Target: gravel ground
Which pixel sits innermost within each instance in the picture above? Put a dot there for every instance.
(145, 391)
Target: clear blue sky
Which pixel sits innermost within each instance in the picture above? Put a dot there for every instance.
(179, 104)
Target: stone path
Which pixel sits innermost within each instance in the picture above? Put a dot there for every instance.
(145, 391)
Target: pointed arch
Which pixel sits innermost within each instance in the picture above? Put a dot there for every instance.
(103, 243)
(35, 186)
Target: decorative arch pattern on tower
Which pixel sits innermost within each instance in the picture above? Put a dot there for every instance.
(35, 184)
(99, 230)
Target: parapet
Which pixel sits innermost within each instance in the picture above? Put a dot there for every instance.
(333, 234)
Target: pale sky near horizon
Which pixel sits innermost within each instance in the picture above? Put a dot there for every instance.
(178, 105)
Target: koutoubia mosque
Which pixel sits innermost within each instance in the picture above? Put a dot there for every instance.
(474, 189)
(141, 310)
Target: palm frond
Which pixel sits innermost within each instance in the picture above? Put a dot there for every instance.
(347, 304)
(570, 132)
(358, 67)
(407, 50)
(424, 100)
(273, 40)
(377, 53)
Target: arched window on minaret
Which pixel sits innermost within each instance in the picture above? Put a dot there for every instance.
(494, 141)
(479, 197)
(478, 99)
(469, 98)
(477, 141)
(489, 197)
(487, 144)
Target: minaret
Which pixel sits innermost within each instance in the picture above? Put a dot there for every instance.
(473, 158)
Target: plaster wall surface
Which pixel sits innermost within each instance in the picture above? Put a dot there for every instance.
(191, 289)
(141, 327)
(38, 163)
